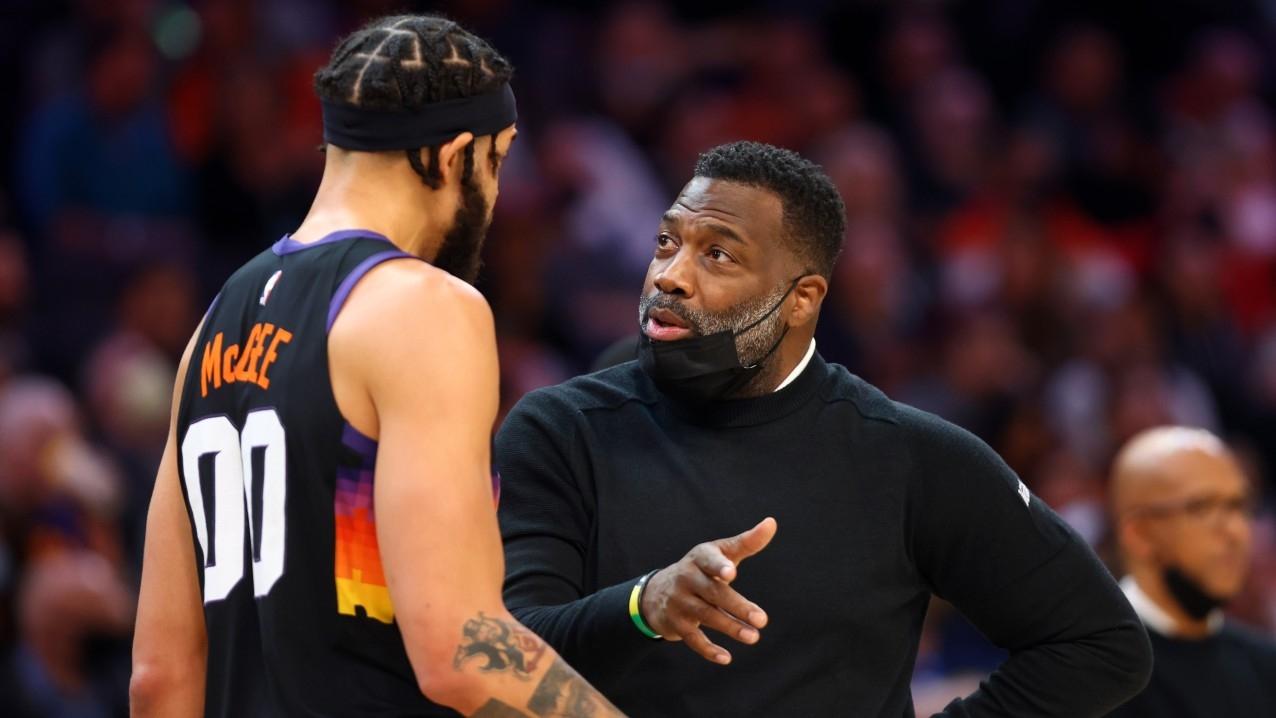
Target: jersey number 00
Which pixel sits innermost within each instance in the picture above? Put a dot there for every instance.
(229, 475)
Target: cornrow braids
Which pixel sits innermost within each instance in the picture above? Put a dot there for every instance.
(404, 62)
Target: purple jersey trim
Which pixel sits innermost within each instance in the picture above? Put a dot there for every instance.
(360, 444)
(288, 245)
(347, 284)
(211, 306)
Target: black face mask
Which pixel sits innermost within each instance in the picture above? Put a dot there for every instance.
(1188, 593)
(704, 368)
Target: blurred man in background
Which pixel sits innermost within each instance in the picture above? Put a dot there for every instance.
(1184, 520)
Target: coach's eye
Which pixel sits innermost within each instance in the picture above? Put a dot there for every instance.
(717, 254)
(664, 241)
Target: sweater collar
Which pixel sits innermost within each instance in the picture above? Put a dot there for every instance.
(1154, 617)
(797, 370)
(756, 410)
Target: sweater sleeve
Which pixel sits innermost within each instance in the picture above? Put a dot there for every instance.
(1026, 580)
(546, 516)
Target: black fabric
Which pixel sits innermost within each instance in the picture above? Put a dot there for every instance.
(1232, 673)
(290, 652)
(356, 128)
(879, 506)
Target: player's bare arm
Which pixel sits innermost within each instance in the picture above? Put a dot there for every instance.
(410, 376)
(169, 644)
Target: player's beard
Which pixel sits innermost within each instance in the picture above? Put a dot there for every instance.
(461, 252)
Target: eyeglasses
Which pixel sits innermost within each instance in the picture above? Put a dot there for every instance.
(1211, 510)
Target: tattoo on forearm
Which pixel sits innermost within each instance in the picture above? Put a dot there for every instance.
(502, 647)
(505, 647)
(562, 693)
(497, 709)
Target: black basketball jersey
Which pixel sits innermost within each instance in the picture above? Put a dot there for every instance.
(278, 490)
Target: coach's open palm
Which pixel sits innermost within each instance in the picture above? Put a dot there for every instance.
(696, 592)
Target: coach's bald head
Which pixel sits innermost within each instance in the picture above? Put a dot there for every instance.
(1182, 509)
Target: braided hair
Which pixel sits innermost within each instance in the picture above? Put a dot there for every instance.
(404, 62)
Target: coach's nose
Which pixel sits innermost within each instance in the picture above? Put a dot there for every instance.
(676, 277)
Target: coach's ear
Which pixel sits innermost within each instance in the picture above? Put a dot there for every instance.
(808, 295)
(451, 156)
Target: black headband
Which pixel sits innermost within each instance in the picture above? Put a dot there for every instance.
(355, 128)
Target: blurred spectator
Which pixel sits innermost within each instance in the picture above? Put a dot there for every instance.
(15, 297)
(1120, 383)
(56, 490)
(950, 130)
(72, 657)
(58, 493)
(1183, 508)
(106, 147)
(982, 371)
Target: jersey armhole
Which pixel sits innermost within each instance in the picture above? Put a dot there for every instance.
(348, 284)
(211, 306)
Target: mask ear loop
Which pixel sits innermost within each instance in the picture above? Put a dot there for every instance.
(771, 311)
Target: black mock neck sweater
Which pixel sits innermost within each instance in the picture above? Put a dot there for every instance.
(879, 506)
(1231, 673)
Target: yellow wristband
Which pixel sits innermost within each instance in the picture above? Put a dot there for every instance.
(635, 600)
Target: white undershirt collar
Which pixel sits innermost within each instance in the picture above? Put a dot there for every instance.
(797, 370)
(1154, 617)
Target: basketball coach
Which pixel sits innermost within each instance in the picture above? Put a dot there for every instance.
(632, 497)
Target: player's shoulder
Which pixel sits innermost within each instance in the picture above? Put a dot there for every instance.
(607, 389)
(407, 296)
(249, 274)
(405, 283)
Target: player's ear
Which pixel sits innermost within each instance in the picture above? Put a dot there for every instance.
(452, 154)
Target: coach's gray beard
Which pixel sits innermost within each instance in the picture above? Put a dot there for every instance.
(760, 332)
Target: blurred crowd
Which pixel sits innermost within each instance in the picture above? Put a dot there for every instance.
(1062, 230)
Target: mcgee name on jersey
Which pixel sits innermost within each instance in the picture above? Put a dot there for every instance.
(232, 364)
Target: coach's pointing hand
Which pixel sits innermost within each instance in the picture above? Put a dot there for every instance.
(696, 592)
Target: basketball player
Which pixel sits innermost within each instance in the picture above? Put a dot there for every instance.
(321, 538)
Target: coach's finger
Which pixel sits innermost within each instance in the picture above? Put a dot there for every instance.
(731, 602)
(700, 643)
(710, 559)
(698, 612)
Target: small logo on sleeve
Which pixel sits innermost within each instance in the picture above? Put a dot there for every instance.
(270, 287)
(1023, 493)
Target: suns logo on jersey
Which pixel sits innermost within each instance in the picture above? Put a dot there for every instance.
(361, 584)
(270, 287)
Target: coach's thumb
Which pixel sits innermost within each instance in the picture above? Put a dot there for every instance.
(741, 546)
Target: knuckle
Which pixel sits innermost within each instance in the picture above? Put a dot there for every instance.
(682, 624)
(703, 612)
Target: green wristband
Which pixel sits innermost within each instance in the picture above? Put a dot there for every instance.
(635, 601)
